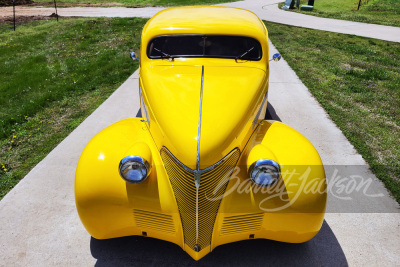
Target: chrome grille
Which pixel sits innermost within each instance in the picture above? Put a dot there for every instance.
(182, 181)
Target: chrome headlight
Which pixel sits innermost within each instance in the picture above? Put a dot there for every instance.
(134, 169)
(265, 172)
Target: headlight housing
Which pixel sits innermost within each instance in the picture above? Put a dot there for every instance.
(134, 169)
(265, 172)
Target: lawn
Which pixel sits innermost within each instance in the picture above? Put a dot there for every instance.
(53, 75)
(385, 12)
(357, 81)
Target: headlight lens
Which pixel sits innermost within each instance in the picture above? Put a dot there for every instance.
(134, 169)
(265, 172)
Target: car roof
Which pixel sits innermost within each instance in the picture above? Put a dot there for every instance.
(205, 20)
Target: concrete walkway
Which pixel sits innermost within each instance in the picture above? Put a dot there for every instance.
(265, 9)
(40, 225)
(268, 10)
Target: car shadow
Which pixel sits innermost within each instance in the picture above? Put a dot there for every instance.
(139, 113)
(271, 113)
(322, 250)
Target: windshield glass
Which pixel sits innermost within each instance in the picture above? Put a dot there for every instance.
(215, 46)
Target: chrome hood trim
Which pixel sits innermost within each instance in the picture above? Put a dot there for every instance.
(197, 179)
(197, 173)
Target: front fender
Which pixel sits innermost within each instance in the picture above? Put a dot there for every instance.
(303, 173)
(290, 211)
(110, 207)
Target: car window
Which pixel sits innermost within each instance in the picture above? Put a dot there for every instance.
(215, 46)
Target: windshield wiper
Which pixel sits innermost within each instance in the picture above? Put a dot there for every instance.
(164, 54)
(245, 53)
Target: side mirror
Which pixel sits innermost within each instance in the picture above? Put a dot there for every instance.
(276, 57)
(134, 57)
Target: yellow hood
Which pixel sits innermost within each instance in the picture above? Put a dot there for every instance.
(231, 98)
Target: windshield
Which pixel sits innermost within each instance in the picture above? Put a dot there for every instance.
(215, 46)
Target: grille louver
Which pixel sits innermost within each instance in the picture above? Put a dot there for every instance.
(182, 181)
(154, 221)
(241, 223)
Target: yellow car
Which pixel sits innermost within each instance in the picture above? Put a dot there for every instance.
(202, 167)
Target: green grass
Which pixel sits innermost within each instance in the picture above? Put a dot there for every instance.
(385, 12)
(137, 3)
(53, 75)
(357, 81)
